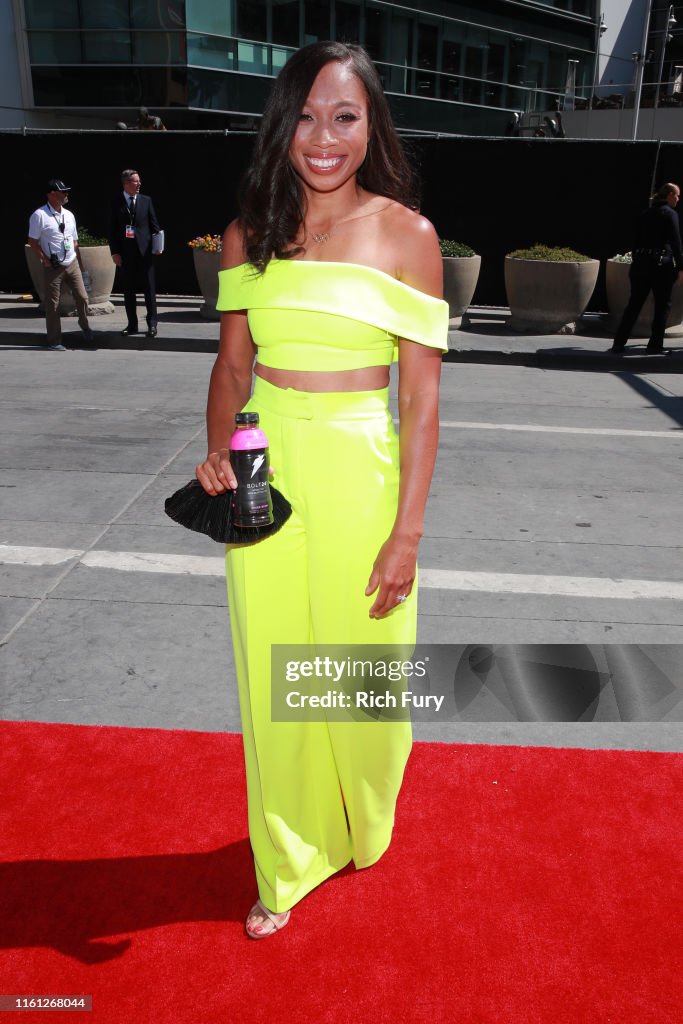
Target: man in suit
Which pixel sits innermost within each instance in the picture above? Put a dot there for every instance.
(133, 222)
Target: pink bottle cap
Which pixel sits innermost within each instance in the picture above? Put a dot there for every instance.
(246, 440)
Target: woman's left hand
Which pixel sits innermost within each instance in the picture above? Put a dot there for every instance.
(393, 573)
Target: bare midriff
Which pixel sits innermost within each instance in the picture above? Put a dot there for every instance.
(369, 378)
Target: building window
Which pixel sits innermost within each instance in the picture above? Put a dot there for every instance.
(278, 59)
(106, 47)
(55, 47)
(170, 14)
(251, 20)
(451, 55)
(211, 51)
(377, 29)
(113, 87)
(495, 73)
(113, 14)
(159, 48)
(285, 17)
(209, 17)
(213, 90)
(427, 49)
(316, 20)
(399, 75)
(61, 14)
(347, 21)
(475, 52)
(252, 58)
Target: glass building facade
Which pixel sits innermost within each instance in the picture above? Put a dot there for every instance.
(663, 68)
(446, 66)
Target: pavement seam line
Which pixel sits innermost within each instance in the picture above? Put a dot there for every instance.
(74, 563)
(541, 428)
(659, 386)
(601, 587)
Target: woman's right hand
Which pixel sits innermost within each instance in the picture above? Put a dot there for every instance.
(216, 474)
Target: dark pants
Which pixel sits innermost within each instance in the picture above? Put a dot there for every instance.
(646, 276)
(134, 268)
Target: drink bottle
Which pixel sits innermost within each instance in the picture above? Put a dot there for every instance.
(252, 503)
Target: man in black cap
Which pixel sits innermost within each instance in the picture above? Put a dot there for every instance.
(133, 223)
(53, 236)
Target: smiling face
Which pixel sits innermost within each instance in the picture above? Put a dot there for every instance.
(331, 139)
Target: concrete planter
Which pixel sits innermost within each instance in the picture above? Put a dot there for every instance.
(618, 292)
(547, 297)
(98, 262)
(460, 276)
(206, 267)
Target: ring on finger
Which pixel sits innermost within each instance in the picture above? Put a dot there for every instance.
(401, 598)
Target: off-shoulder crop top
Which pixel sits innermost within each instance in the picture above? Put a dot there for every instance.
(308, 315)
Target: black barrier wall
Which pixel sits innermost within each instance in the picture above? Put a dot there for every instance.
(192, 178)
(495, 194)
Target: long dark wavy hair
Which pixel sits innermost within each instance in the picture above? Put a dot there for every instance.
(272, 198)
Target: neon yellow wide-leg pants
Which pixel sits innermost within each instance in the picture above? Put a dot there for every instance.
(320, 793)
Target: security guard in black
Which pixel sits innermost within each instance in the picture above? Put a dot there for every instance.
(656, 267)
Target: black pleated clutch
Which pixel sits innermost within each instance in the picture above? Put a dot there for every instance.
(193, 508)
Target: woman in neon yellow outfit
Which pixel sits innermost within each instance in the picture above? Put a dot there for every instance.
(328, 276)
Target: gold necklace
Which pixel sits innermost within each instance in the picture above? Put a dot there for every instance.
(321, 237)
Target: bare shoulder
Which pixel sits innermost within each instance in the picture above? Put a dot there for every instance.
(233, 254)
(415, 250)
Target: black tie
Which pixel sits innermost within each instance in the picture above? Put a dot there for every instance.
(131, 203)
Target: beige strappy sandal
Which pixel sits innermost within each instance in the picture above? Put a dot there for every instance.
(278, 921)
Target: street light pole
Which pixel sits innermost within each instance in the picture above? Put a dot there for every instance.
(666, 38)
(640, 62)
(600, 29)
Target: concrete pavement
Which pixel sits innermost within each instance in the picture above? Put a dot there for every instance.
(554, 518)
(484, 337)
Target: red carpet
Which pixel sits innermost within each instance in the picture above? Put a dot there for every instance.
(524, 886)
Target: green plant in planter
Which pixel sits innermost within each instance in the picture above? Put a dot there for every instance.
(458, 249)
(626, 257)
(549, 253)
(87, 241)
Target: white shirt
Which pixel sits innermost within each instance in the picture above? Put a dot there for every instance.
(44, 227)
